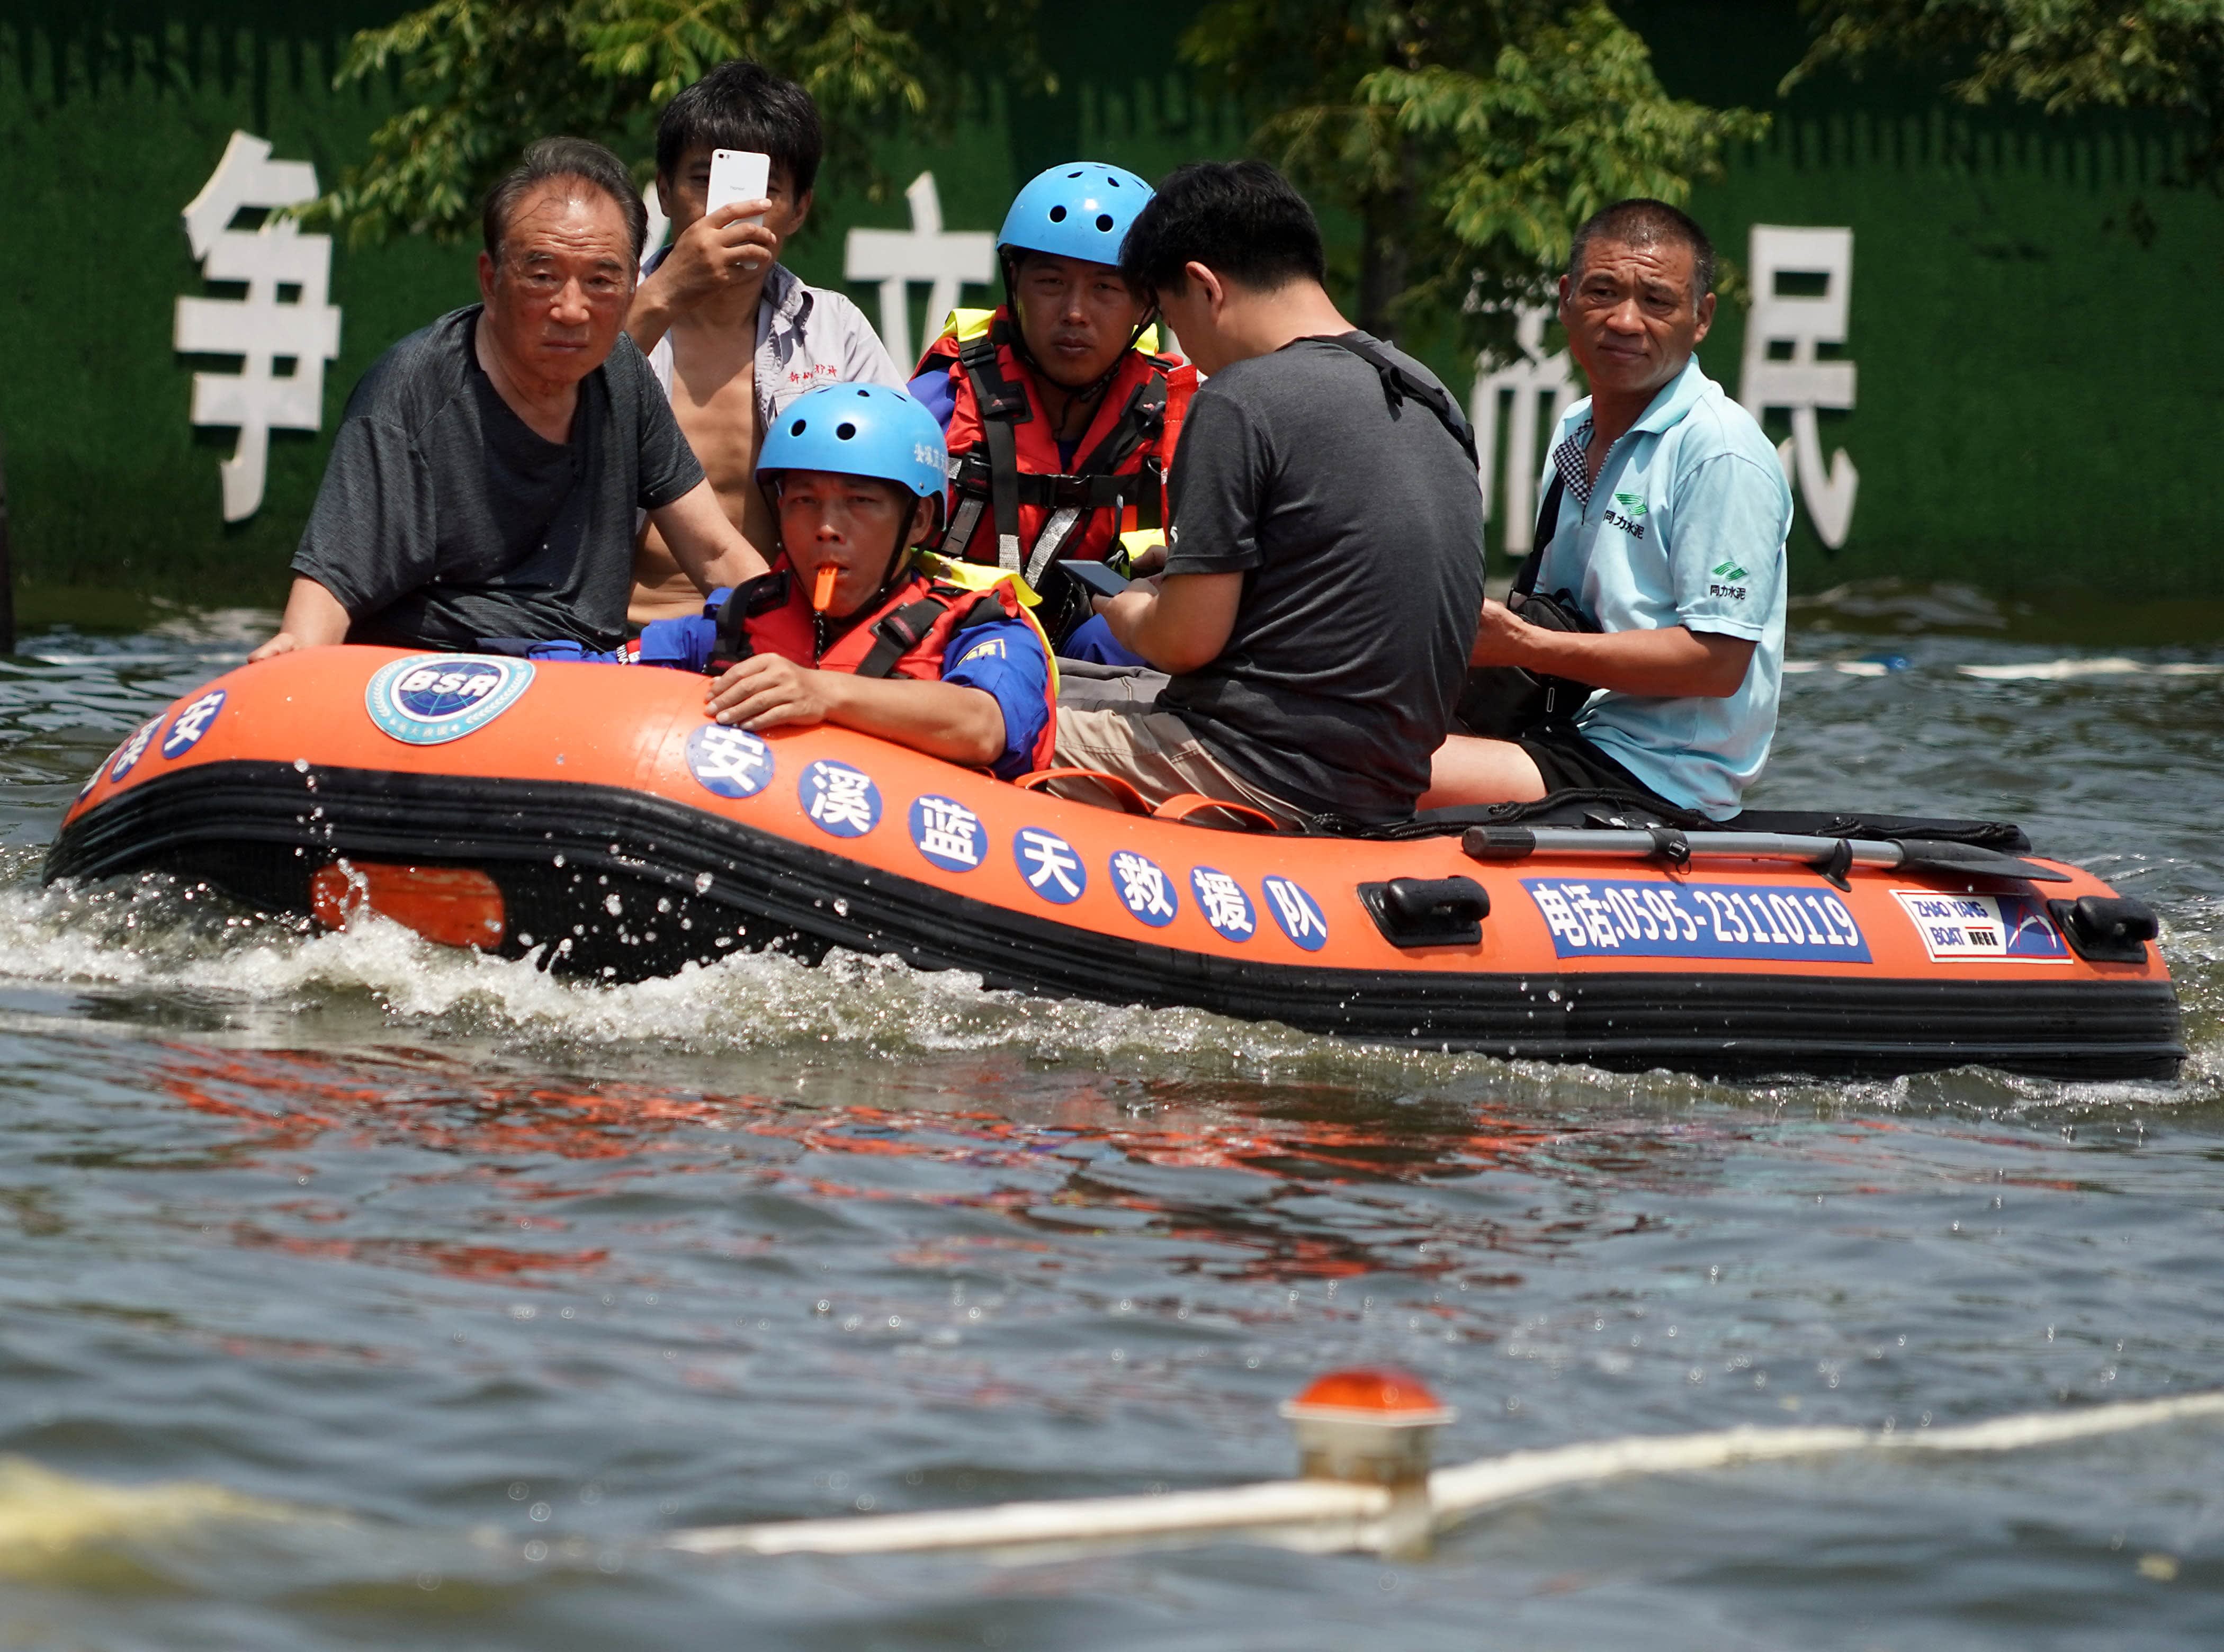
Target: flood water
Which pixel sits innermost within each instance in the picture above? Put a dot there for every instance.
(354, 1293)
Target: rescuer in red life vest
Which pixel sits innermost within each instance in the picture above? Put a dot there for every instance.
(851, 626)
(1061, 426)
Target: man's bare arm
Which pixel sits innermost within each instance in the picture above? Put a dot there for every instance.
(948, 720)
(708, 548)
(1182, 624)
(717, 252)
(313, 618)
(1670, 662)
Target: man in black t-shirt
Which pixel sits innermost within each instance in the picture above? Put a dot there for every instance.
(1324, 565)
(483, 484)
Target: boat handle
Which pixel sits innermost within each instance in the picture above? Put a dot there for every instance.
(1122, 793)
(2107, 928)
(1427, 911)
(1186, 806)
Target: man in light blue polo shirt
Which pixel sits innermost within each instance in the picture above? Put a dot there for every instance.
(1670, 536)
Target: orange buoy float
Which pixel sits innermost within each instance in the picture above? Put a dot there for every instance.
(588, 816)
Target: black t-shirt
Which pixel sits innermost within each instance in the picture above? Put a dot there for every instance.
(444, 518)
(1358, 530)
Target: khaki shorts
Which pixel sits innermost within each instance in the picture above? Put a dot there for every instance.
(1155, 753)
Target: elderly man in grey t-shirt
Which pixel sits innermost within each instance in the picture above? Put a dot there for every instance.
(482, 488)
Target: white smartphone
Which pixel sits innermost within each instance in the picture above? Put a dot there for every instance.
(738, 176)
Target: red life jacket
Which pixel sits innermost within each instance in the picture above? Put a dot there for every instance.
(906, 634)
(1012, 503)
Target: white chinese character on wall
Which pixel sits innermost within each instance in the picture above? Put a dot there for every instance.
(1795, 323)
(926, 252)
(1528, 381)
(282, 327)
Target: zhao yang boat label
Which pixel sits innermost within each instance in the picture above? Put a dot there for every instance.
(1608, 918)
(1961, 928)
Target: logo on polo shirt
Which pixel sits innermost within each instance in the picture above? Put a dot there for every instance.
(1727, 571)
(1633, 506)
(1724, 573)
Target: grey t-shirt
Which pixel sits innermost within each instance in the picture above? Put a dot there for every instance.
(443, 517)
(1358, 530)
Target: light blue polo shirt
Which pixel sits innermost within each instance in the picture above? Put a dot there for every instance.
(1684, 526)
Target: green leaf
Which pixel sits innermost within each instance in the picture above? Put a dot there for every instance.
(1469, 140)
(484, 78)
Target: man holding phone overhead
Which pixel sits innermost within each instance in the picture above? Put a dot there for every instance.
(731, 334)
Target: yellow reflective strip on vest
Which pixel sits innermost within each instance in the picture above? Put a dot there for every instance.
(965, 325)
(974, 577)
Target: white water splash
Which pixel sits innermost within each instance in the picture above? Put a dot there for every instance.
(152, 937)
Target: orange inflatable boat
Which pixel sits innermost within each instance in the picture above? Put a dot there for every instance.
(588, 816)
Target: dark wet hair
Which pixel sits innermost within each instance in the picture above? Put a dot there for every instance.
(744, 105)
(563, 157)
(1643, 223)
(1240, 219)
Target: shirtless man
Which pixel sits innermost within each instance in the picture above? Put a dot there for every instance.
(731, 334)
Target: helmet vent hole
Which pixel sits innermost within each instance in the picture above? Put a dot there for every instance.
(796, 429)
(1105, 222)
(866, 394)
(1076, 172)
(1058, 215)
(844, 431)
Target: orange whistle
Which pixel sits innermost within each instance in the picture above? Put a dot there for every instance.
(822, 592)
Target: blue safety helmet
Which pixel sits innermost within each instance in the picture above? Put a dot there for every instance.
(1081, 210)
(858, 430)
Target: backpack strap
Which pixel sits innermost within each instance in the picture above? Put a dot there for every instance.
(898, 633)
(751, 597)
(1095, 489)
(1049, 490)
(997, 484)
(1548, 518)
(985, 610)
(1001, 405)
(1399, 382)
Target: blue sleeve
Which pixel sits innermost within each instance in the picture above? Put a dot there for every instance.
(1093, 643)
(935, 392)
(1726, 558)
(1005, 658)
(681, 645)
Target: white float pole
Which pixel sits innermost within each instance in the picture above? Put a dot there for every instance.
(1334, 1516)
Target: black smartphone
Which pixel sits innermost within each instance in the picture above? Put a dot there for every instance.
(1096, 576)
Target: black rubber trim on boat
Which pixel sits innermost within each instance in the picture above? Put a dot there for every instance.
(560, 851)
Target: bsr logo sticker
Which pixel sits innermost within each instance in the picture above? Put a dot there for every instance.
(430, 693)
(430, 699)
